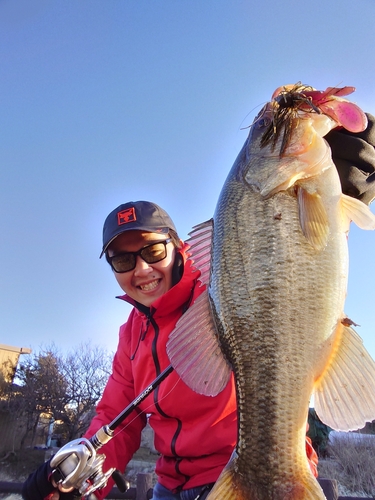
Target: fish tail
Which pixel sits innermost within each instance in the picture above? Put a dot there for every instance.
(227, 487)
(306, 488)
(232, 486)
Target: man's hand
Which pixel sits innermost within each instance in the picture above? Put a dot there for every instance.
(38, 486)
(354, 157)
(58, 495)
(77, 465)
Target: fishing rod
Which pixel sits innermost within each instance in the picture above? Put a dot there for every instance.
(105, 434)
(77, 465)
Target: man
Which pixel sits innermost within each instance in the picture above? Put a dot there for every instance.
(194, 434)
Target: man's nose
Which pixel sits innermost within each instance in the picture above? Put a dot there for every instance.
(141, 266)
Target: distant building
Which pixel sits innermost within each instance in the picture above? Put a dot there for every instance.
(10, 354)
(11, 427)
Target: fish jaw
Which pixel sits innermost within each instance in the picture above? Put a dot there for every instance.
(306, 155)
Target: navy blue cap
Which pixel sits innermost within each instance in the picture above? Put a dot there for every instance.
(139, 215)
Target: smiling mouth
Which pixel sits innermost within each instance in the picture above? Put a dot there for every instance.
(148, 287)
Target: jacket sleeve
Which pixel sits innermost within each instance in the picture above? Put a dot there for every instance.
(312, 457)
(118, 393)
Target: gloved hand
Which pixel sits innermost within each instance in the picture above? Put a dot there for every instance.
(354, 157)
(38, 485)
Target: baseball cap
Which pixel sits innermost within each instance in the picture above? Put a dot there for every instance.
(140, 215)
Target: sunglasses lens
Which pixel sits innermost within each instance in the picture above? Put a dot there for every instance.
(123, 263)
(154, 253)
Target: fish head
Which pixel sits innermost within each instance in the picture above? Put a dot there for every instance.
(285, 142)
(281, 152)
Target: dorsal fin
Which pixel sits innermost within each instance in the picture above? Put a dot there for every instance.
(200, 248)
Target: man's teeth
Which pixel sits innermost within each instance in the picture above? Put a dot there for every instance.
(149, 286)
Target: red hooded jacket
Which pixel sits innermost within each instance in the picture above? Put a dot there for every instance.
(194, 434)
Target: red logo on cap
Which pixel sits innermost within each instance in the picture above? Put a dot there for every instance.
(126, 216)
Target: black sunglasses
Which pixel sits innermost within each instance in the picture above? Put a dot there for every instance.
(124, 262)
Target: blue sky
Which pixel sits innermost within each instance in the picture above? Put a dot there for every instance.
(106, 101)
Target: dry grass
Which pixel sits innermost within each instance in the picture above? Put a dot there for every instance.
(15, 467)
(352, 464)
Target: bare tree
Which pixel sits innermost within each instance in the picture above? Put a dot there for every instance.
(63, 388)
(41, 389)
(86, 370)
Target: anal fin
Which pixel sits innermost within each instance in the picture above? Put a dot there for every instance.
(344, 397)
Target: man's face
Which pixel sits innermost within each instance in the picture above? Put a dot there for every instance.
(146, 282)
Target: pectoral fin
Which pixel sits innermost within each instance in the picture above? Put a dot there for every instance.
(313, 218)
(358, 212)
(193, 347)
(194, 350)
(344, 396)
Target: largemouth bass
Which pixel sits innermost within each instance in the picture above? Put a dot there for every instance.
(275, 262)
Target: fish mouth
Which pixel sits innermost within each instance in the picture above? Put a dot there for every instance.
(149, 287)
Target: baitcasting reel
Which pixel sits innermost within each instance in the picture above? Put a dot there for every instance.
(78, 465)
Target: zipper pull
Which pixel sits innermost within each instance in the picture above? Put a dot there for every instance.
(142, 336)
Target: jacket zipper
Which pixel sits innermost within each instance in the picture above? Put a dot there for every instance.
(158, 407)
(142, 336)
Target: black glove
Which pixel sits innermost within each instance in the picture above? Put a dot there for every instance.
(354, 157)
(38, 486)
